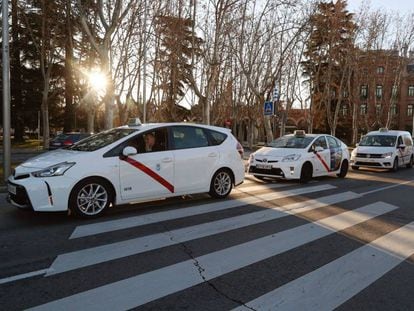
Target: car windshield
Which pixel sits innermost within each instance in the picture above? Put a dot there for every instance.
(378, 141)
(101, 140)
(295, 142)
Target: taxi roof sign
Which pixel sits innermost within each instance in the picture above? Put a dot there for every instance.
(299, 133)
(383, 129)
(134, 122)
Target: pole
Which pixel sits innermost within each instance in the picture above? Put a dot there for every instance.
(6, 91)
(144, 82)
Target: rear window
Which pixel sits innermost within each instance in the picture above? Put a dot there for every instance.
(189, 137)
(216, 138)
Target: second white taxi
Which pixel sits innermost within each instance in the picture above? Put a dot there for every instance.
(300, 156)
(130, 164)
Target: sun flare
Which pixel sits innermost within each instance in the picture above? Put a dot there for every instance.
(97, 81)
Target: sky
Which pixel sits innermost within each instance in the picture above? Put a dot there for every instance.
(401, 6)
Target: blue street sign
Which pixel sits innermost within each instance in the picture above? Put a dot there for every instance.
(268, 108)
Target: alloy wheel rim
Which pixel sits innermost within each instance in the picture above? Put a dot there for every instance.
(222, 183)
(92, 199)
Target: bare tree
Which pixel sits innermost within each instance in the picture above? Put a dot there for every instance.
(111, 14)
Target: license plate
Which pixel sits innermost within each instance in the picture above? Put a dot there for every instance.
(264, 166)
(11, 189)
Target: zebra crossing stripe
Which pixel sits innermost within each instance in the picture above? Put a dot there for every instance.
(140, 289)
(136, 221)
(259, 187)
(104, 253)
(335, 283)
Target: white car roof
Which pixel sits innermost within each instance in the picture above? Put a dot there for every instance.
(149, 126)
(387, 133)
(308, 135)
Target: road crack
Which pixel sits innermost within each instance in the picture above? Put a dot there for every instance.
(187, 250)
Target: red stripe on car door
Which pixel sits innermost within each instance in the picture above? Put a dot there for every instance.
(323, 162)
(150, 173)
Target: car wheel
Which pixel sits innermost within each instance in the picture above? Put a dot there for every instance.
(355, 168)
(221, 184)
(395, 165)
(306, 173)
(344, 169)
(90, 198)
(410, 164)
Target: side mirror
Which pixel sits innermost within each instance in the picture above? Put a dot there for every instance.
(402, 146)
(318, 149)
(128, 151)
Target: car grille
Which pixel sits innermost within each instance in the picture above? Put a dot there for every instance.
(369, 155)
(267, 161)
(273, 171)
(21, 196)
(368, 163)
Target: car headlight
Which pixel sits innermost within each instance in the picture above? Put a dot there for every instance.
(354, 153)
(387, 155)
(251, 158)
(54, 170)
(291, 157)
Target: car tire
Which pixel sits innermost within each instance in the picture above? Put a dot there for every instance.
(90, 198)
(395, 165)
(221, 184)
(306, 173)
(344, 169)
(410, 164)
(355, 168)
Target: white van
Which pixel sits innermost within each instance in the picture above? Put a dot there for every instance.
(383, 149)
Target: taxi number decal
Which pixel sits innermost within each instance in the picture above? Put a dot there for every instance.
(150, 173)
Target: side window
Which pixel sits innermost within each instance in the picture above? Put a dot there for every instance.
(320, 142)
(400, 141)
(216, 138)
(188, 137)
(150, 141)
(333, 143)
(407, 140)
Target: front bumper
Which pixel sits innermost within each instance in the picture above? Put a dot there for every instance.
(40, 194)
(288, 170)
(20, 198)
(372, 162)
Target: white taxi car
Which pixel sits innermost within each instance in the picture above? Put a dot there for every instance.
(383, 149)
(300, 156)
(117, 167)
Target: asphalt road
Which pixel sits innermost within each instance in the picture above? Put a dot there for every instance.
(333, 243)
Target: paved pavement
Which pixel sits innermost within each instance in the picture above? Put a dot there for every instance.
(333, 243)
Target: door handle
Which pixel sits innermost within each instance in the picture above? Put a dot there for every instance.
(212, 155)
(167, 160)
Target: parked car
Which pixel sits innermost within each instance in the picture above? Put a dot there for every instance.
(300, 156)
(66, 140)
(130, 164)
(384, 149)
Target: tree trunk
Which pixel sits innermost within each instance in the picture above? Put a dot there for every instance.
(69, 117)
(268, 129)
(16, 78)
(354, 124)
(45, 116)
(91, 120)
